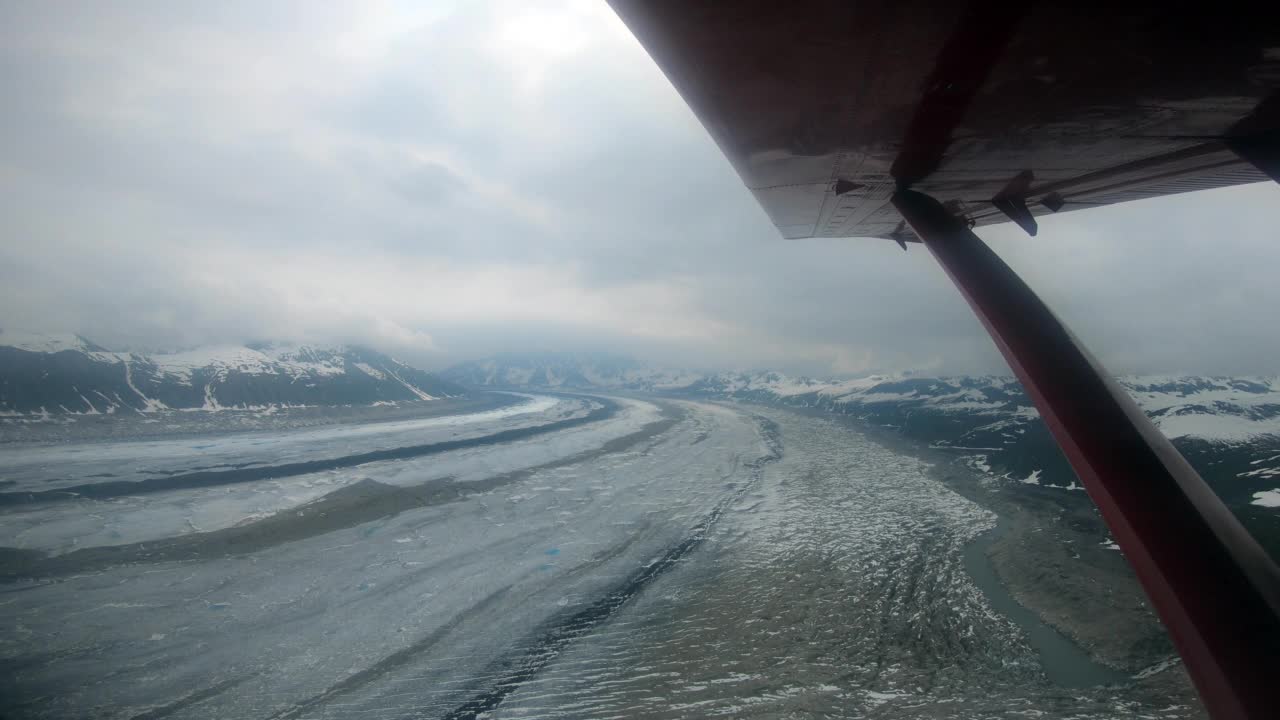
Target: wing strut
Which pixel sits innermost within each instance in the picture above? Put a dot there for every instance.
(1214, 588)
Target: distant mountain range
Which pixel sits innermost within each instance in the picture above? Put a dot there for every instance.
(51, 374)
(1212, 408)
(1229, 428)
(552, 371)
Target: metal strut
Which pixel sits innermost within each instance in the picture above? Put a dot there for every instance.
(1214, 588)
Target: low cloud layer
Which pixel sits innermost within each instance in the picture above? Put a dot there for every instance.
(460, 179)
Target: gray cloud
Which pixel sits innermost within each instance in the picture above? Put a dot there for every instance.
(465, 178)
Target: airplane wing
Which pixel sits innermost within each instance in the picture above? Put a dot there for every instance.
(1044, 107)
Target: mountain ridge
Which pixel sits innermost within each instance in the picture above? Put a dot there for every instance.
(68, 374)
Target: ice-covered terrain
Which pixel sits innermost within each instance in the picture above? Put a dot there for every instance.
(567, 556)
(1228, 427)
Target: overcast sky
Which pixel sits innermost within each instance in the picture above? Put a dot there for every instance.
(446, 180)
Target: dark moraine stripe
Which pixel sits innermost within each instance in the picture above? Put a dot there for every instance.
(213, 478)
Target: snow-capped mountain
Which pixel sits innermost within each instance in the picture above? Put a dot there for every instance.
(46, 374)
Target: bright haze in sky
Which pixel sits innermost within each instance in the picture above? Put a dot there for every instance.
(446, 180)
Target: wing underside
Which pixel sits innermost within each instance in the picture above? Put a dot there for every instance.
(1055, 106)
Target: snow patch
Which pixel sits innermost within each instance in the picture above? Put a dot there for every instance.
(412, 388)
(371, 371)
(210, 401)
(880, 698)
(148, 405)
(1157, 668)
(1267, 498)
